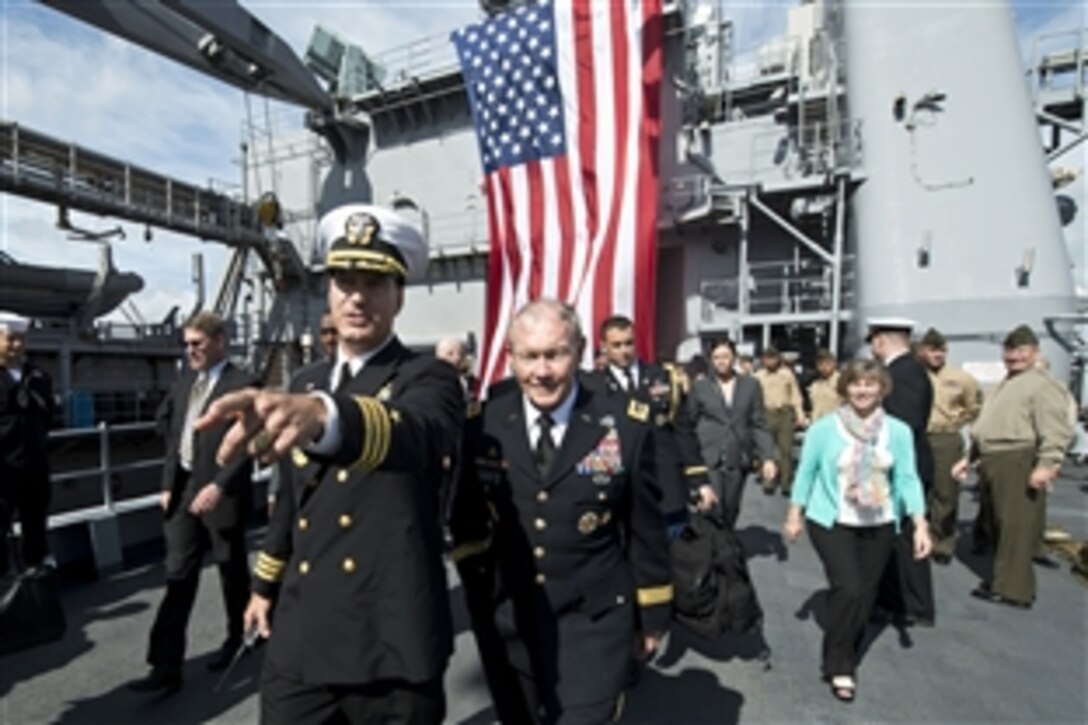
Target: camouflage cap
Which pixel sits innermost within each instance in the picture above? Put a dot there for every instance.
(933, 338)
(1021, 335)
(770, 351)
(824, 354)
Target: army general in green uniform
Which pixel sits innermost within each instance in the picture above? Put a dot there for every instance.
(1019, 441)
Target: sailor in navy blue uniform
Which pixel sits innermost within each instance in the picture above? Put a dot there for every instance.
(26, 413)
(349, 585)
(559, 536)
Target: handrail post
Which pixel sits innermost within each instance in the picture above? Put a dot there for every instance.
(105, 464)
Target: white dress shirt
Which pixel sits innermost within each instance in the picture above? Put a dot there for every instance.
(329, 440)
(560, 418)
(618, 374)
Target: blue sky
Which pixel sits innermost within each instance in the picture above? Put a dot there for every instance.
(78, 84)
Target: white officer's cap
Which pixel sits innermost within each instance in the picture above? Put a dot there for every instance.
(888, 324)
(374, 239)
(11, 323)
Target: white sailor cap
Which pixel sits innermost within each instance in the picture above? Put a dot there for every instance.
(374, 239)
(888, 324)
(11, 323)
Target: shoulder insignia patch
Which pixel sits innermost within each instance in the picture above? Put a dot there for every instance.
(638, 411)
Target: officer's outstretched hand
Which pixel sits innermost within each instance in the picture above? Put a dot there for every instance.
(267, 424)
(256, 616)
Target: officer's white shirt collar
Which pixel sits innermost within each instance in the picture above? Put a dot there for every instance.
(329, 440)
(617, 373)
(354, 363)
(560, 417)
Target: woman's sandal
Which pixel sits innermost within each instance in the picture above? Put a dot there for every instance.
(843, 688)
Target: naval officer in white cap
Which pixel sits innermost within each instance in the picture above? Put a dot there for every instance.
(26, 412)
(906, 590)
(349, 585)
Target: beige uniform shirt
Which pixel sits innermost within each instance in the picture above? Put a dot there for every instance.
(780, 390)
(1027, 410)
(955, 400)
(823, 393)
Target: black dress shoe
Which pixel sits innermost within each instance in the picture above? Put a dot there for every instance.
(222, 657)
(986, 594)
(165, 679)
(1045, 561)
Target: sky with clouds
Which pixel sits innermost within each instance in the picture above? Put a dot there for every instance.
(75, 83)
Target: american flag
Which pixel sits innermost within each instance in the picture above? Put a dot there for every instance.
(565, 96)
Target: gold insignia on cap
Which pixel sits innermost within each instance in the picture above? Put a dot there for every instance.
(588, 522)
(360, 229)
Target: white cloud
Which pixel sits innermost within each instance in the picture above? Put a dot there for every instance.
(77, 84)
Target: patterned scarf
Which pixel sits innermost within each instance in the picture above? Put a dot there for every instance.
(860, 488)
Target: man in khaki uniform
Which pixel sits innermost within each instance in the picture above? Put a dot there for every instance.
(1020, 440)
(955, 404)
(823, 392)
(785, 412)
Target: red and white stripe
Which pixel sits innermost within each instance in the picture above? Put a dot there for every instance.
(583, 226)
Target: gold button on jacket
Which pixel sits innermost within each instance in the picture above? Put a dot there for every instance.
(349, 565)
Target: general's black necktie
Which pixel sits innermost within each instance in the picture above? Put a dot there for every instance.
(345, 377)
(628, 380)
(545, 445)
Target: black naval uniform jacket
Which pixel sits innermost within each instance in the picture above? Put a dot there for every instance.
(26, 413)
(678, 448)
(577, 560)
(233, 479)
(353, 555)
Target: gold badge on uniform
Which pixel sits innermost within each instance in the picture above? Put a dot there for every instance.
(299, 458)
(588, 522)
(638, 411)
(385, 393)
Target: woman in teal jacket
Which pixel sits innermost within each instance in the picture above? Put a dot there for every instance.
(856, 481)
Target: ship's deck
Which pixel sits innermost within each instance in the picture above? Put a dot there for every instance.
(982, 662)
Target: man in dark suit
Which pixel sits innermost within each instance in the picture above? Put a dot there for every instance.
(26, 413)
(349, 584)
(906, 589)
(682, 471)
(730, 425)
(559, 535)
(204, 505)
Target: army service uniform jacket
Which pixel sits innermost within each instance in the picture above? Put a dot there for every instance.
(579, 555)
(354, 552)
(682, 470)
